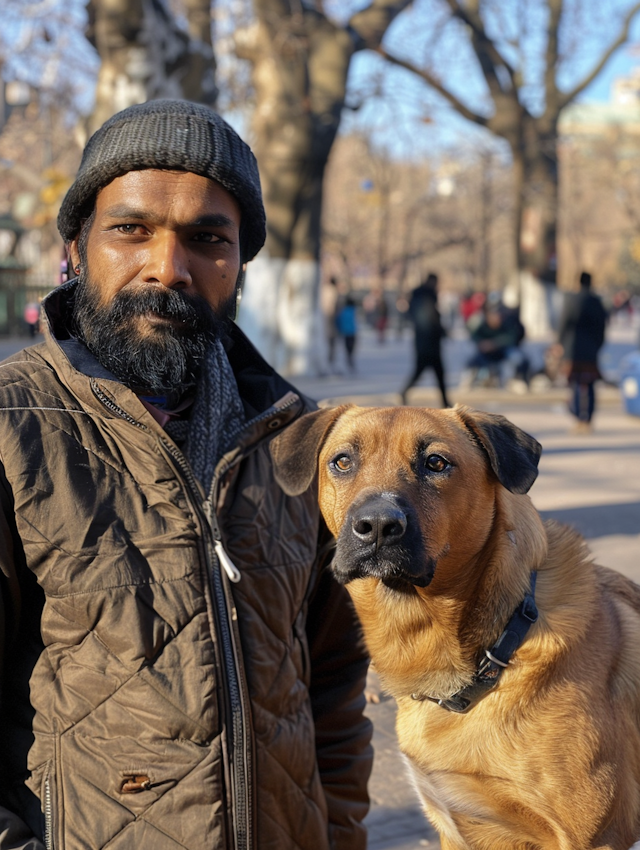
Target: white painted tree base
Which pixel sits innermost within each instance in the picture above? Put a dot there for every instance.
(280, 313)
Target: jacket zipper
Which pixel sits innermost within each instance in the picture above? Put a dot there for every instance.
(48, 814)
(240, 744)
(243, 764)
(240, 748)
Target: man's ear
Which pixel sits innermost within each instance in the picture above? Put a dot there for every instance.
(74, 254)
(295, 451)
(513, 454)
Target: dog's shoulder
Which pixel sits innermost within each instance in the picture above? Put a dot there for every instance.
(619, 587)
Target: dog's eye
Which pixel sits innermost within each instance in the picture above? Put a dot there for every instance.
(436, 463)
(341, 463)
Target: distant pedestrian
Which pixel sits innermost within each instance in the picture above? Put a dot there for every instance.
(470, 304)
(346, 323)
(32, 317)
(330, 304)
(497, 333)
(402, 314)
(428, 334)
(377, 311)
(382, 317)
(581, 335)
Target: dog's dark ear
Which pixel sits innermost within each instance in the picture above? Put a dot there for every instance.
(295, 451)
(513, 454)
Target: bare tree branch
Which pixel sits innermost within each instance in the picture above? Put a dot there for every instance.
(551, 57)
(370, 24)
(489, 56)
(563, 100)
(433, 81)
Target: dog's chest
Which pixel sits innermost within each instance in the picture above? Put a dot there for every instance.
(445, 795)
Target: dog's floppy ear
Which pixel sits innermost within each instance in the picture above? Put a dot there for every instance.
(295, 451)
(513, 454)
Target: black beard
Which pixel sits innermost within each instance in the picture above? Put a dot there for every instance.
(161, 360)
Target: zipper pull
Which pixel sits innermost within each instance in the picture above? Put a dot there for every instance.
(227, 564)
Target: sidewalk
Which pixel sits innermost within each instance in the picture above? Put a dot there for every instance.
(591, 482)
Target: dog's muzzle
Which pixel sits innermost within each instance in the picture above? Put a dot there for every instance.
(381, 539)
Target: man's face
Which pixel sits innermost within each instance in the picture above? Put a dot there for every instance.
(159, 267)
(168, 229)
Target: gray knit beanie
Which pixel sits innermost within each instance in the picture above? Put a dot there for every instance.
(168, 134)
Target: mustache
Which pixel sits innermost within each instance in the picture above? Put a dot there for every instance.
(192, 311)
(166, 360)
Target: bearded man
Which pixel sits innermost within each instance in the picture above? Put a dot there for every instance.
(178, 668)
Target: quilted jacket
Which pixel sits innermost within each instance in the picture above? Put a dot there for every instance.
(147, 701)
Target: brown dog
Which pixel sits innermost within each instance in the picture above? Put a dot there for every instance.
(521, 726)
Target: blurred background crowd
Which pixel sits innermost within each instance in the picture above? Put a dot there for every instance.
(491, 144)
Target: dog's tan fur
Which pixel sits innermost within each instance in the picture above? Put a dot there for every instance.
(550, 759)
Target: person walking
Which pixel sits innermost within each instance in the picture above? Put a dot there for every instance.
(178, 668)
(428, 334)
(581, 335)
(330, 301)
(346, 324)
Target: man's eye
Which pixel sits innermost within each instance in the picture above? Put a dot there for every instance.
(341, 463)
(127, 228)
(436, 463)
(210, 238)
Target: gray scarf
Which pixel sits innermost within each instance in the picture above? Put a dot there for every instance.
(217, 416)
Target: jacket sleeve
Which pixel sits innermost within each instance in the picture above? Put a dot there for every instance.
(14, 834)
(339, 665)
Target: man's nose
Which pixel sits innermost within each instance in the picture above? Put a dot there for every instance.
(167, 262)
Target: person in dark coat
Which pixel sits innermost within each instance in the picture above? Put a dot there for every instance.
(497, 333)
(581, 335)
(428, 330)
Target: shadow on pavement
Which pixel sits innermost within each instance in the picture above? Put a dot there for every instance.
(590, 449)
(393, 827)
(600, 520)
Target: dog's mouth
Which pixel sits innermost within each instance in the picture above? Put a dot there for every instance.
(381, 539)
(399, 585)
(399, 570)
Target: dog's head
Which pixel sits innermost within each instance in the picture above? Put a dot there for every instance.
(403, 489)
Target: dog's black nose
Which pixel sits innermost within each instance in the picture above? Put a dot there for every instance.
(379, 523)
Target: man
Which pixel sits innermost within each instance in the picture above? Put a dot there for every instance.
(580, 337)
(178, 669)
(497, 333)
(428, 334)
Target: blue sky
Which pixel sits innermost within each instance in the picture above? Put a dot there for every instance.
(620, 65)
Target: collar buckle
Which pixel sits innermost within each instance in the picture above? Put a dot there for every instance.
(495, 660)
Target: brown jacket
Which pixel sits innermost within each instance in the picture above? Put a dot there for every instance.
(147, 702)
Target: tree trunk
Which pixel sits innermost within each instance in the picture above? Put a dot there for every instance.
(535, 174)
(300, 67)
(539, 204)
(300, 63)
(144, 55)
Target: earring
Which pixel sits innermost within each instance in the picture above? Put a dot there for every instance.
(77, 269)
